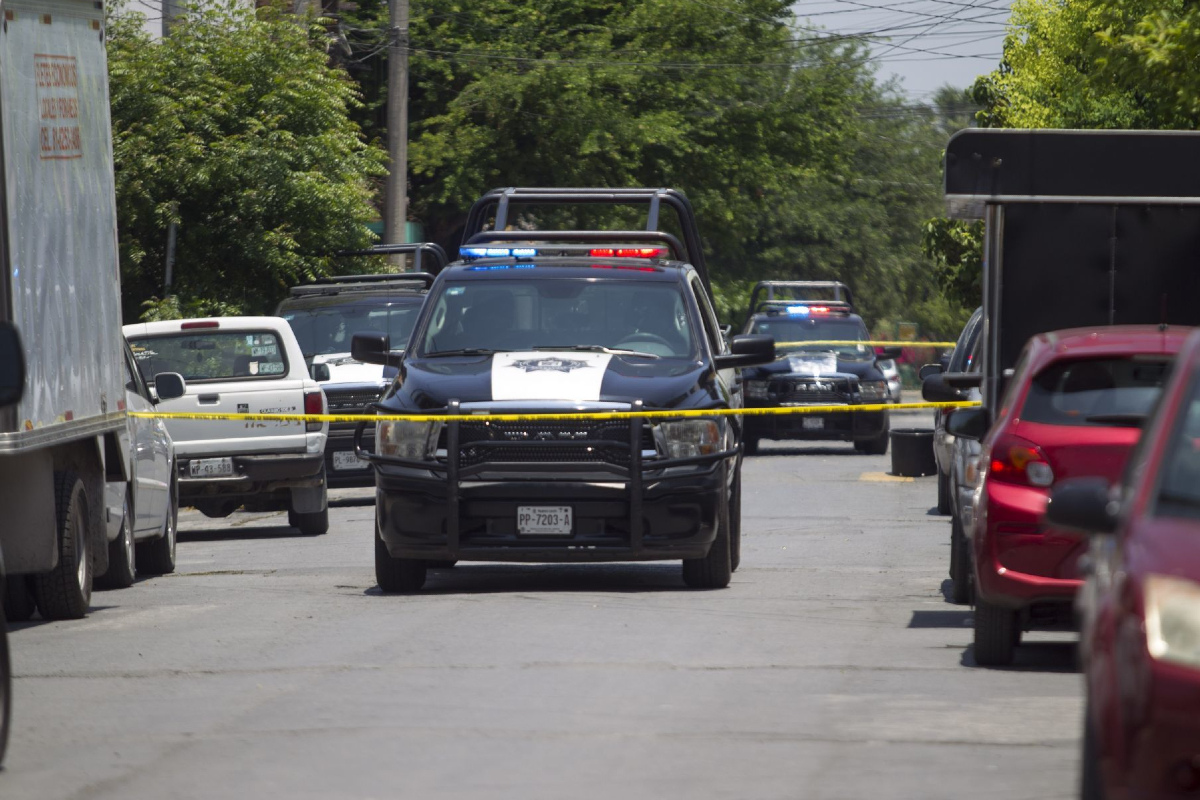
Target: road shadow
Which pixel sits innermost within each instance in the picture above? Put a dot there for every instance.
(492, 578)
(950, 618)
(933, 512)
(793, 450)
(37, 621)
(242, 532)
(351, 502)
(1052, 657)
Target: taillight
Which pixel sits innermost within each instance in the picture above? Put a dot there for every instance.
(191, 326)
(1017, 460)
(314, 403)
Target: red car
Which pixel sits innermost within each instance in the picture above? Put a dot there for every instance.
(1141, 604)
(1073, 407)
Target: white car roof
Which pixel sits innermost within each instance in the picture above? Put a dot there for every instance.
(224, 323)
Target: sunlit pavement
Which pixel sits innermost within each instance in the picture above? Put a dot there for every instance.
(270, 665)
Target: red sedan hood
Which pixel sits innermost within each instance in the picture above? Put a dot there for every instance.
(1082, 450)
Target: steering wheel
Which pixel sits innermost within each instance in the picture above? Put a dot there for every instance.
(644, 336)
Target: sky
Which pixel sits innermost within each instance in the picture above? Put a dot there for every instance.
(924, 43)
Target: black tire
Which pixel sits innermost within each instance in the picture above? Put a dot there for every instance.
(313, 524)
(996, 634)
(960, 564)
(735, 524)
(750, 445)
(19, 603)
(157, 556)
(66, 591)
(1091, 782)
(120, 554)
(216, 509)
(441, 564)
(397, 574)
(876, 446)
(715, 569)
(5, 688)
(944, 505)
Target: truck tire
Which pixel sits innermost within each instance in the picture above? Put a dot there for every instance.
(397, 574)
(120, 554)
(996, 634)
(216, 509)
(735, 524)
(157, 556)
(19, 604)
(875, 446)
(5, 688)
(944, 493)
(960, 563)
(66, 591)
(750, 445)
(1091, 783)
(715, 569)
(311, 524)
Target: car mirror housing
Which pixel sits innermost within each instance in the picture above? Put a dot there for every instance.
(319, 372)
(1085, 505)
(374, 348)
(935, 390)
(12, 365)
(963, 380)
(747, 351)
(169, 385)
(929, 370)
(969, 423)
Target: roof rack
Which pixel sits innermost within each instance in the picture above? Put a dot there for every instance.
(583, 237)
(421, 251)
(341, 284)
(654, 199)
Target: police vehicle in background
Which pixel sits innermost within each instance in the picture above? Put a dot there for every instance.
(325, 315)
(848, 374)
(581, 322)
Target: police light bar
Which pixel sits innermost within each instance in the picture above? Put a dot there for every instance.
(497, 252)
(804, 311)
(625, 251)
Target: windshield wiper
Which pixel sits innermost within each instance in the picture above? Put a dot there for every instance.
(465, 351)
(597, 348)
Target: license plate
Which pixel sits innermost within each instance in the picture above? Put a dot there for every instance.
(814, 423)
(543, 520)
(211, 468)
(345, 459)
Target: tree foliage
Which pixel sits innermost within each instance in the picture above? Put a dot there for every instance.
(237, 128)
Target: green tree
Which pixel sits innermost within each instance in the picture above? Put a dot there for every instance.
(237, 128)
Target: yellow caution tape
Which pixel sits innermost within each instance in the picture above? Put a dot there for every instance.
(599, 415)
(871, 343)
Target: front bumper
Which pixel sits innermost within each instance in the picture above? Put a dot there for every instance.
(1164, 747)
(253, 474)
(835, 426)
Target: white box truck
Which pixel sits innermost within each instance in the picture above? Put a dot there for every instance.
(60, 286)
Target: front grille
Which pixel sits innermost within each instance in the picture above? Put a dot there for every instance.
(813, 391)
(602, 442)
(351, 402)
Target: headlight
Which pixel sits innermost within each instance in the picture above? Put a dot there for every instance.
(1173, 620)
(874, 391)
(690, 438)
(756, 390)
(407, 439)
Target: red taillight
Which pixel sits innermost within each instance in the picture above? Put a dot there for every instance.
(626, 252)
(314, 403)
(191, 326)
(1017, 460)
(818, 309)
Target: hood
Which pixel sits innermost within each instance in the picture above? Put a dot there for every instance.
(817, 364)
(344, 369)
(553, 377)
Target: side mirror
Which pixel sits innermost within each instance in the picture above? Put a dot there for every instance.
(1084, 505)
(748, 351)
(930, 369)
(886, 353)
(319, 372)
(374, 348)
(935, 390)
(12, 365)
(169, 385)
(969, 423)
(963, 380)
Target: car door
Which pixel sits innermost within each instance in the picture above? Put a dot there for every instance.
(731, 378)
(151, 454)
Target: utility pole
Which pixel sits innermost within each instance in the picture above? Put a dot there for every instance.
(396, 215)
(169, 11)
(169, 276)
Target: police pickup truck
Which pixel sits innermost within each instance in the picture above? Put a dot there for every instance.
(834, 370)
(551, 322)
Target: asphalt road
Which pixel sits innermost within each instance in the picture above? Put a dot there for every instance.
(270, 665)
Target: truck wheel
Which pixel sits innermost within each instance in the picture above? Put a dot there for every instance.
(1091, 784)
(715, 569)
(397, 574)
(735, 524)
(216, 509)
(876, 446)
(944, 493)
(66, 591)
(441, 564)
(19, 604)
(960, 564)
(120, 554)
(750, 445)
(157, 556)
(5, 688)
(996, 634)
(311, 524)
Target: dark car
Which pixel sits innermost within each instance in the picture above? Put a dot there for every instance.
(563, 329)
(820, 373)
(325, 315)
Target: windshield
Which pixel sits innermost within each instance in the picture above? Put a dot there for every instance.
(328, 329)
(1095, 391)
(792, 332)
(488, 315)
(211, 356)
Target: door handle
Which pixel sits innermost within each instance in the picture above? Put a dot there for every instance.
(208, 399)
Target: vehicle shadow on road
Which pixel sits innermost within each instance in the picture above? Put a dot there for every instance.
(550, 578)
(256, 532)
(950, 618)
(37, 621)
(1033, 657)
(823, 450)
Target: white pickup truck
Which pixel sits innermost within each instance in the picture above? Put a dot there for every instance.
(241, 365)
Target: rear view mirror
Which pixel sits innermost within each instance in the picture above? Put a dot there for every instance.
(319, 372)
(930, 369)
(886, 353)
(748, 351)
(374, 348)
(12, 365)
(169, 385)
(968, 423)
(1083, 504)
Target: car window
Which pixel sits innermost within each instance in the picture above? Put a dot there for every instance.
(708, 318)
(791, 333)
(537, 313)
(1095, 391)
(207, 356)
(964, 356)
(1179, 485)
(133, 378)
(327, 329)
